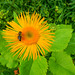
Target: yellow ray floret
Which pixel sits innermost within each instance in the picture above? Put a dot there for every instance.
(30, 37)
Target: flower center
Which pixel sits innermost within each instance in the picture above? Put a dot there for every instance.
(30, 35)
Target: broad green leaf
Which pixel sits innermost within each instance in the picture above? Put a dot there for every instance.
(39, 66)
(25, 67)
(71, 46)
(36, 67)
(61, 64)
(62, 38)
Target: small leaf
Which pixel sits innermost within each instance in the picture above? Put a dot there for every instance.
(60, 10)
(3, 61)
(61, 64)
(12, 64)
(15, 18)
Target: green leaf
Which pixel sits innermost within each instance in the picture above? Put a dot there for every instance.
(5, 71)
(3, 61)
(62, 26)
(39, 66)
(25, 67)
(3, 43)
(62, 37)
(60, 10)
(12, 63)
(15, 18)
(8, 60)
(61, 64)
(36, 67)
(6, 57)
(49, 72)
(71, 46)
(1, 73)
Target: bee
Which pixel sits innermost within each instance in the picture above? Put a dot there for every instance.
(20, 35)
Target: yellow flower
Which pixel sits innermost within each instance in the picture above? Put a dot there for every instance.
(30, 37)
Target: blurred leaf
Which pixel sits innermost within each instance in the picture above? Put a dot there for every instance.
(61, 64)
(12, 63)
(1, 73)
(5, 71)
(73, 18)
(8, 60)
(71, 46)
(60, 10)
(60, 18)
(49, 73)
(66, 21)
(21, 2)
(3, 43)
(73, 2)
(3, 61)
(15, 18)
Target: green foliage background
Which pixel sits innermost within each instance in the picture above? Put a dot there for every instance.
(60, 15)
(55, 11)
